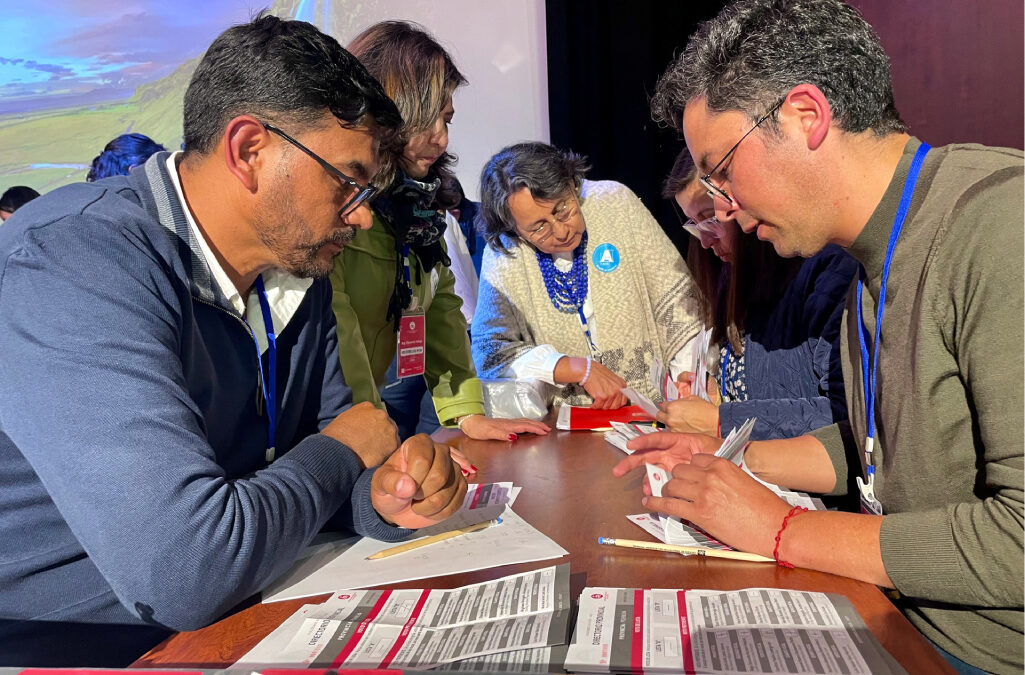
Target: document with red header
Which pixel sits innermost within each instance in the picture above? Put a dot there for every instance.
(575, 418)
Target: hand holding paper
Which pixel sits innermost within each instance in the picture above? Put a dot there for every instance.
(723, 500)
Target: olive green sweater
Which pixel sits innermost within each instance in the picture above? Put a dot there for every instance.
(949, 407)
(363, 279)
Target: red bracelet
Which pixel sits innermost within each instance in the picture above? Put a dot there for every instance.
(775, 552)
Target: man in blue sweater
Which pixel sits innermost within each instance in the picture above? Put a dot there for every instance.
(174, 426)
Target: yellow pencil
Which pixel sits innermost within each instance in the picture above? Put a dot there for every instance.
(427, 541)
(693, 550)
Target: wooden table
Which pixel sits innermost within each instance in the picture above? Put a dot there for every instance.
(570, 495)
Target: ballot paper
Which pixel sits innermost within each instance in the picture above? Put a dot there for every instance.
(419, 629)
(755, 630)
(537, 660)
(688, 534)
(673, 530)
(640, 400)
(344, 564)
(662, 380)
(622, 434)
(735, 442)
(700, 366)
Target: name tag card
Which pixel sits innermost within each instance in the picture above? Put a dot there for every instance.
(412, 343)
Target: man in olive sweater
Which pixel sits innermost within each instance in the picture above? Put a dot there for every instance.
(787, 108)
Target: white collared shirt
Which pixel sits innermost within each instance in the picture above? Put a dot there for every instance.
(285, 292)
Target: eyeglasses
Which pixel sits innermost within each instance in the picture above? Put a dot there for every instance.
(708, 226)
(706, 180)
(353, 192)
(561, 214)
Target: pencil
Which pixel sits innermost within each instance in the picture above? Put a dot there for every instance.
(427, 541)
(695, 550)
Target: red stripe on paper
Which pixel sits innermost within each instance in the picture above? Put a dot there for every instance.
(360, 630)
(681, 608)
(401, 639)
(637, 646)
(291, 671)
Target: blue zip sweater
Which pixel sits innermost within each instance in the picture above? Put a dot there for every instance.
(133, 485)
(792, 354)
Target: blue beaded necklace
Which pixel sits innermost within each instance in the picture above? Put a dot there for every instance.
(567, 290)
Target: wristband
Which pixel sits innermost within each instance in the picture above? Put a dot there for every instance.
(459, 422)
(587, 373)
(775, 552)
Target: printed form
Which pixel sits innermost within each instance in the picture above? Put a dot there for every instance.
(756, 630)
(420, 629)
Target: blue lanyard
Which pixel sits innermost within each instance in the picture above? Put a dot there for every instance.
(722, 371)
(405, 264)
(595, 352)
(270, 382)
(869, 378)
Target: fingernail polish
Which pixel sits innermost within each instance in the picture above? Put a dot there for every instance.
(465, 472)
(512, 437)
(473, 469)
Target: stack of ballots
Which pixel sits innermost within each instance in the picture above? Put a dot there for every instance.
(505, 623)
(673, 530)
(755, 630)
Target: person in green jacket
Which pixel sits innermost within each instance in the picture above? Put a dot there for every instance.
(398, 270)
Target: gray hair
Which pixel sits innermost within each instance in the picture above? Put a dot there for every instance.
(549, 173)
(755, 51)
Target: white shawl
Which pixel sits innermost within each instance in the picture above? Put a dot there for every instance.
(645, 307)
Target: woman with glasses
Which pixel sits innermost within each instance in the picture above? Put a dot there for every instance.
(776, 325)
(580, 287)
(396, 275)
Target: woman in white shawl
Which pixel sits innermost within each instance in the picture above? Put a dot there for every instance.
(579, 286)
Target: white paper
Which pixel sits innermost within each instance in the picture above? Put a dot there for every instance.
(757, 630)
(679, 532)
(640, 400)
(735, 442)
(513, 541)
(662, 381)
(622, 433)
(418, 629)
(700, 366)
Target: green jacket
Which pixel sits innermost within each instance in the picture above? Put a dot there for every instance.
(363, 279)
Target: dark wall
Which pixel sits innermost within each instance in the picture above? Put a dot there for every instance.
(957, 70)
(957, 67)
(604, 57)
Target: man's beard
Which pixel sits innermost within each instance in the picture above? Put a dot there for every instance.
(303, 260)
(291, 241)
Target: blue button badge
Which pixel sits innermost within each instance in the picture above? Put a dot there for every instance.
(606, 258)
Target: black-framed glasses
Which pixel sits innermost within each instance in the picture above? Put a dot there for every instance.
(706, 180)
(561, 214)
(353, 191)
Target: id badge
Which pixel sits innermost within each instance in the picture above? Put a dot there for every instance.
(869, 504)
(412, 341)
